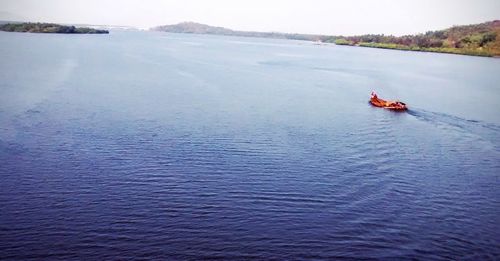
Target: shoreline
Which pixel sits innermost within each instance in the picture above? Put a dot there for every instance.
(429, 50)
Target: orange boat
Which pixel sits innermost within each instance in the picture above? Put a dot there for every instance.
(391, 105)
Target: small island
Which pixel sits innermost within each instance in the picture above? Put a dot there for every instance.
(49, 28)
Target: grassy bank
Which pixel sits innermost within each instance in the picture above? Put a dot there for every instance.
(463, 51)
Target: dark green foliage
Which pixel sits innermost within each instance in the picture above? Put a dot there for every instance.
(487, 37)
(436, 34)
(342, 41)
(49, 28)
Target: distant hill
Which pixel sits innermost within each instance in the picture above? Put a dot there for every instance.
(194, 28)
(48, 28)
(476, 39)
(197, 28)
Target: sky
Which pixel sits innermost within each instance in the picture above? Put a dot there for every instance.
(397, 17)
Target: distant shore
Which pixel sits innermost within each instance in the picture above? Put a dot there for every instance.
(49, 28)
(477, 39)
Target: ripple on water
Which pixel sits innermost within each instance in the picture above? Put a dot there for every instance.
(212, 154)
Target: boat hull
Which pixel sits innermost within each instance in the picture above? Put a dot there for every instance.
(390, 105)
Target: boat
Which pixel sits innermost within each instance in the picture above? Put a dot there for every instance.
(391, 105)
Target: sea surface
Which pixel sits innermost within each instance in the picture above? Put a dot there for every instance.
(148, 145)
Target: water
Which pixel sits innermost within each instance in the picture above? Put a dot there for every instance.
(168, 146)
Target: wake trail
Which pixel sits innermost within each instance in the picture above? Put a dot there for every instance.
(474, 131)
(438, 118)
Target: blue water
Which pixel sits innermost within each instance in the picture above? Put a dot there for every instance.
(159, 146)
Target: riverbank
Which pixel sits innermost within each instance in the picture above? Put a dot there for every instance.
(471, 52)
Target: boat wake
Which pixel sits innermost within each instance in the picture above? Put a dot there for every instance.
(446, 119)
(472, 128)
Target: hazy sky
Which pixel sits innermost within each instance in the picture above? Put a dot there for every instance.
(300, 16)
